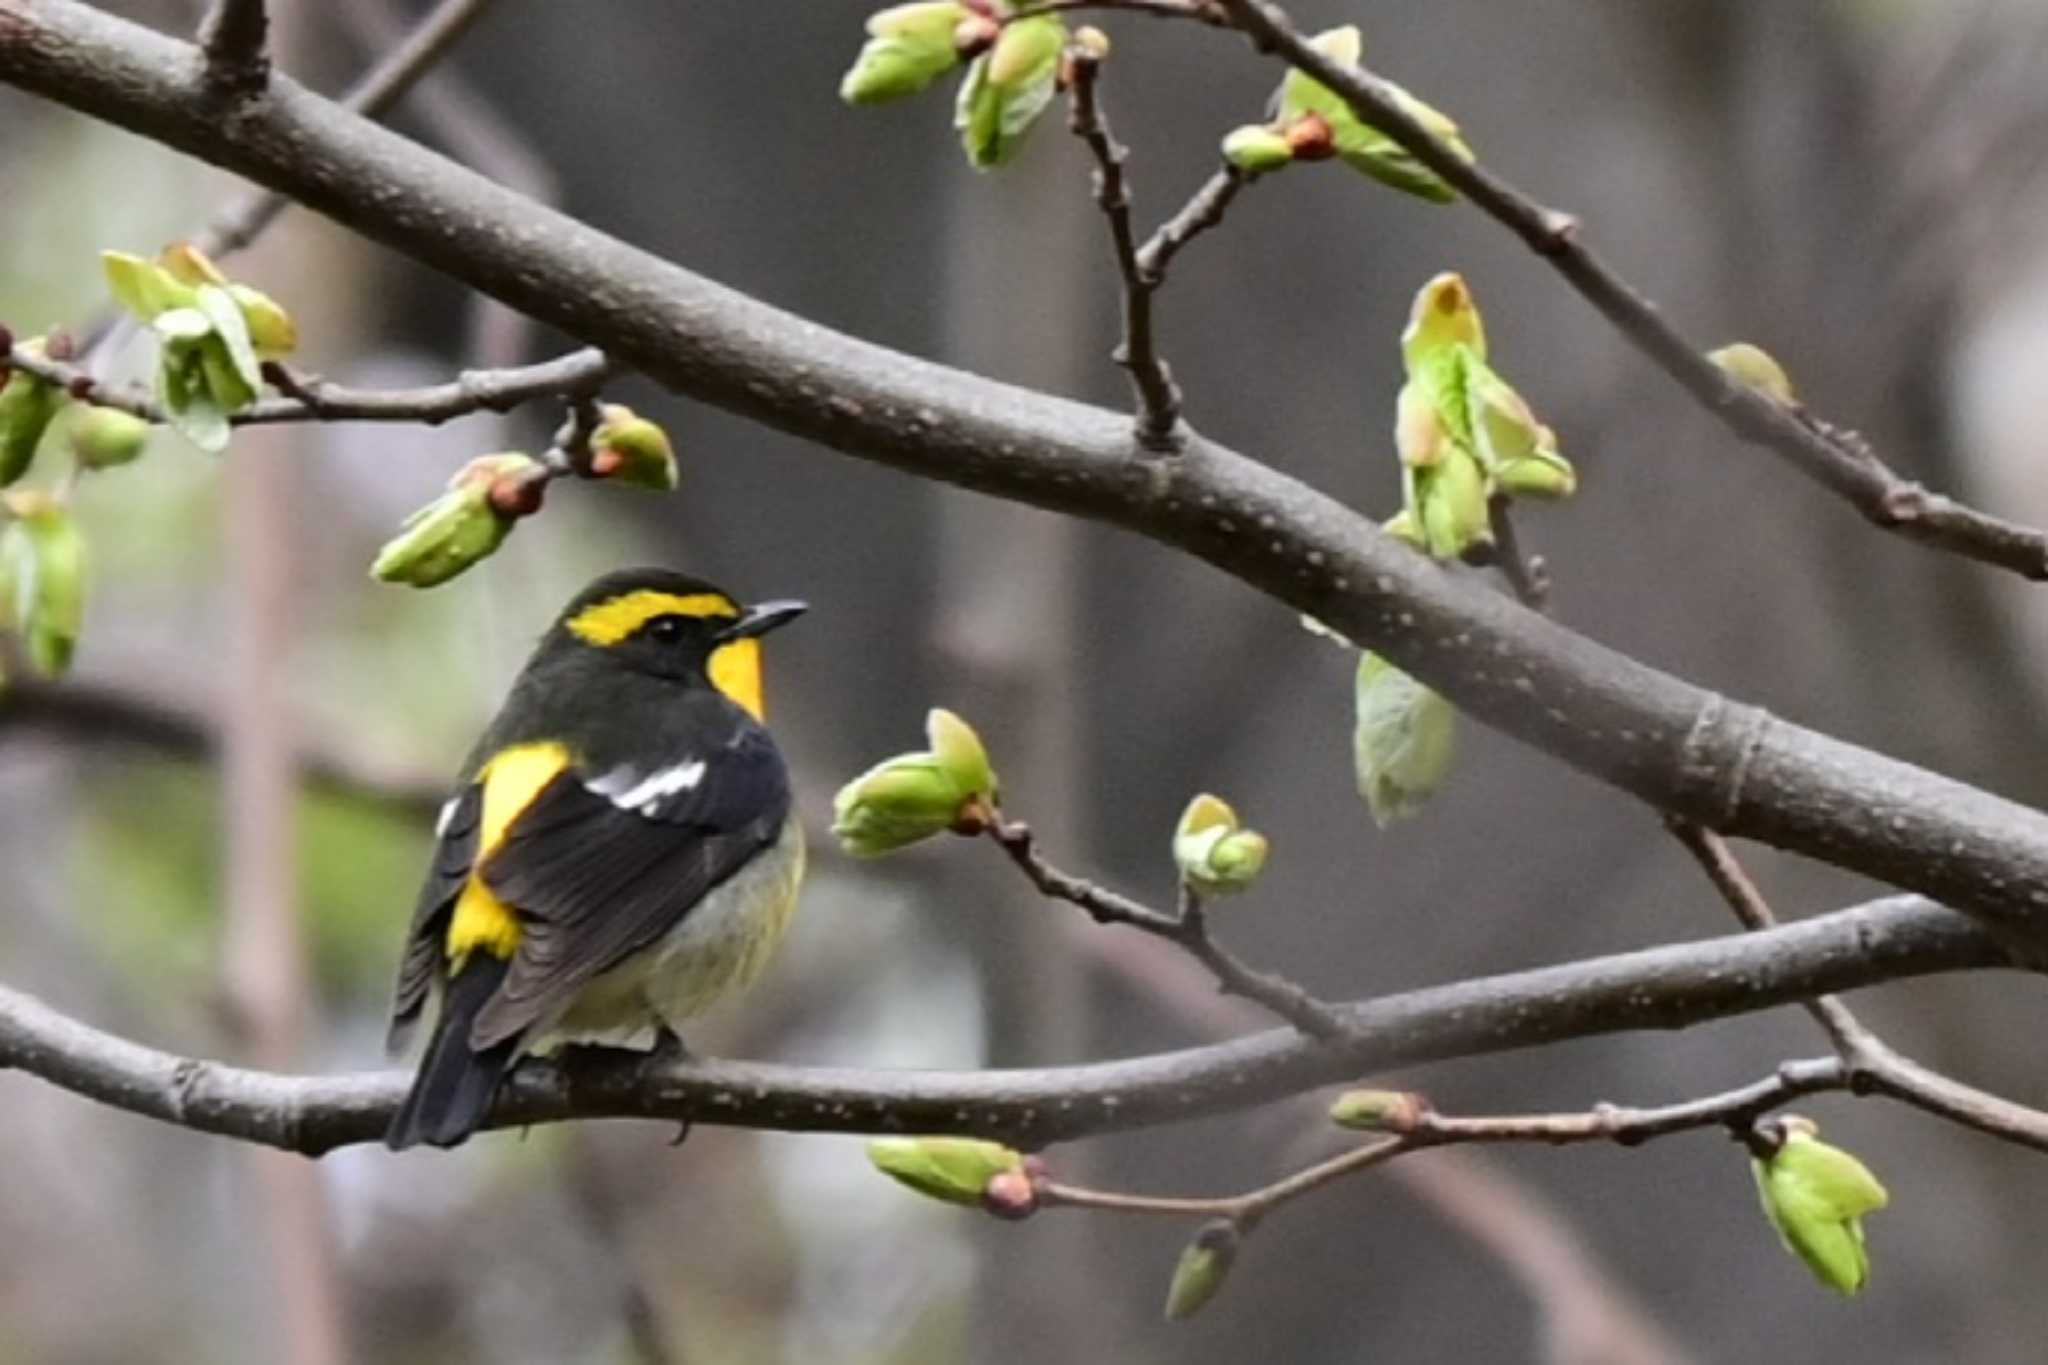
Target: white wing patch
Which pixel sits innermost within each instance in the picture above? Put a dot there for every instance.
(447, 816)
(628, 790)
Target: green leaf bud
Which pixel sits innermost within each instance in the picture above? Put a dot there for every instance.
(1815, 1196)
(1405, 741)
(466, 524)
(1214, 853)
(908, 47)
(1203, 1266)
(143, 287)
(187, 264)
(105, 438)
(1377, 1111)
(894, 804)
(1256, 149)
(27, 405)
(911, 797)
(1756, 367)
(956, 1170)
(630, 448)
(42, 563)
(272, 331)
(960, 753)
(1007, 88)
(1361, 146)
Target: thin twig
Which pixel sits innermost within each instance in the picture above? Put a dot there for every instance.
(1189, 930)
(234, 36)
(309, 398)
(1201, 11)
(1873, 1066)
(1158, 396)
(1837, 459)
(1204, 210)
(382, 86)
(1527, 575)
(1736, 1110)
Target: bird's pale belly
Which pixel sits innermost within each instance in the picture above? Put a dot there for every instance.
(719, 947)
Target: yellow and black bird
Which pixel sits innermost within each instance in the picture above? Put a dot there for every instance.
(621, 848)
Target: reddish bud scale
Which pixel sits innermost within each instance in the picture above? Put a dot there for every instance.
(974, 819)
(60, 346)
(6, 341)
(80, 387)
(605, 463)
(518, 495)
(1310, 138)
(975, 35)
(1010, 1195)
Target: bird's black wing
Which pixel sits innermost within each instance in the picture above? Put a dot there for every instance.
(454, 855)
(599, 867)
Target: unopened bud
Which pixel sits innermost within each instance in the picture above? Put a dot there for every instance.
(1010, 1195)
(466, 524)
(1215, 855)
(633, 450)
(1311, 138)
(1378, 1111)
(1753, 365)
(908, 47)
(42, 564)
(974, 35)
(27, 405)
(1256, 149)
(1203, 1266)
(957, 1170)
(105, 438)
(911, 797)
(1815, 1196)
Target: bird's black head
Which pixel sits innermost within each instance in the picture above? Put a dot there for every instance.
(670, 625)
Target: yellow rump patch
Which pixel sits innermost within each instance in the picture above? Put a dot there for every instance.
(612, 620)
(511, 780)
(735, 670)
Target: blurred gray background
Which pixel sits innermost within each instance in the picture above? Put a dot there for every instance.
(1857, 186)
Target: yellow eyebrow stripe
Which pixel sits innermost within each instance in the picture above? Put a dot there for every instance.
(612, 620)
(511, 781)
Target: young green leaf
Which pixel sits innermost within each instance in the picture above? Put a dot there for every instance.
(1405, 741)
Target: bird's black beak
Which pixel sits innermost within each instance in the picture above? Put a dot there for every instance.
(757, 621)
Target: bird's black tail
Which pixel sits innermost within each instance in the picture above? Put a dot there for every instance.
(454, 1086)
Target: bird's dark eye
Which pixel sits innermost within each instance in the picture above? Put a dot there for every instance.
(665, 630)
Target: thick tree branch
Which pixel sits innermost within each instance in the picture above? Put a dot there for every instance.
(1836, 459)
(1731, 767)
(1659, 988)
